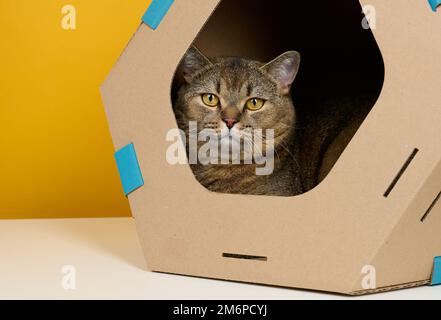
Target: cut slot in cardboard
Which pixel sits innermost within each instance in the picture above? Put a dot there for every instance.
(360, 230)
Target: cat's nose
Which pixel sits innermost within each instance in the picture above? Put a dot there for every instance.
(230, 122)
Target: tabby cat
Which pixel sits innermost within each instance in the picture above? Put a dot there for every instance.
(235, 94)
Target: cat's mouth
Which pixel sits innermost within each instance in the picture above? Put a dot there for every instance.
(233, 134)
(230, 140)
(232, 146)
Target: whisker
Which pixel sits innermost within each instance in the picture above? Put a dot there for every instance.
(292, 156)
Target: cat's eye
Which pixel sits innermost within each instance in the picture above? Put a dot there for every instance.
(255, 104)
(210, 100)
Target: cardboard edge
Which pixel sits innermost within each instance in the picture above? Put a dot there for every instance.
(414, 284)
(103, 84)
(391, 288)
(343, 293)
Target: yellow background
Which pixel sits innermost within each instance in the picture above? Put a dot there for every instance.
(56, 154)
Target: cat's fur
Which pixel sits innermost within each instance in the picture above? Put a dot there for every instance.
(234, 81)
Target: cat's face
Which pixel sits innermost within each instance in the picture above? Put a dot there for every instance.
(231, 95)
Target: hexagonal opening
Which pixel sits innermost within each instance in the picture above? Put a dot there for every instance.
(338, 82)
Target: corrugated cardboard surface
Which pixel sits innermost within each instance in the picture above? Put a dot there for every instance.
(319, 240)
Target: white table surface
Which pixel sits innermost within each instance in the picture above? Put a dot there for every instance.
(109, 265)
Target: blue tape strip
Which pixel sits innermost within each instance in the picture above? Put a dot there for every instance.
(434, 4)
(436, 275)
(128, 167)
(156, 12)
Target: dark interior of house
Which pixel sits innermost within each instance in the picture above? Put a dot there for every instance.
(341, 72)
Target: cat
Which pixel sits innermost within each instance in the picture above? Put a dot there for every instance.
(232, 94)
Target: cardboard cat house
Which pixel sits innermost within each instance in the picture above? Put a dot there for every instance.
(373, 224)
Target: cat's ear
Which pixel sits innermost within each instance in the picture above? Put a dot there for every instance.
(193, 62)
(284, 69)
